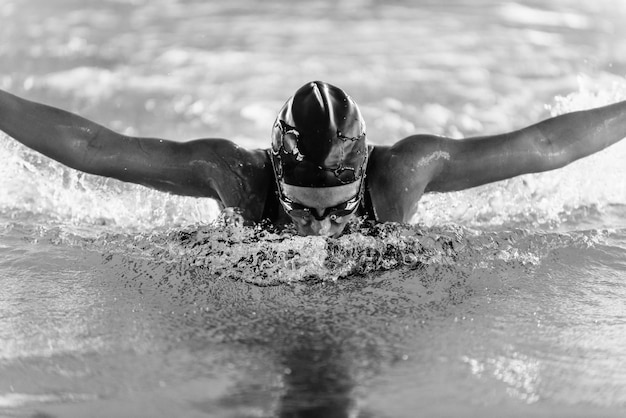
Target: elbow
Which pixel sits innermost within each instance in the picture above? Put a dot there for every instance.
(549, 154)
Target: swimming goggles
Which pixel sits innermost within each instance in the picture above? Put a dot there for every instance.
(301, 211)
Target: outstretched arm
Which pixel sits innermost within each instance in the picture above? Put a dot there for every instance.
(547, 145)
(214, 168)
(400, 174)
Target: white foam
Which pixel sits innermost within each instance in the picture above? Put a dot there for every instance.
(543, 198)
(37, 184)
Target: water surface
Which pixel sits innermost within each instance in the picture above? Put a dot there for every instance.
(504, 300)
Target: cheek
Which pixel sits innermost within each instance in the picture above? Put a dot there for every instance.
(302, 226)
(338, 227)
(300, 222)
(342, 222)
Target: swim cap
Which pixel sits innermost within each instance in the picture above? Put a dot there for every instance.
(318, 139)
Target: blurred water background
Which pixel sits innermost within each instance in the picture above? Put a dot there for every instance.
(503, 300)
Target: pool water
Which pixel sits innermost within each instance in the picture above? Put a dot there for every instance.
(503, 300)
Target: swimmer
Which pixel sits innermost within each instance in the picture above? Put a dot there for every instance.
(319, 172)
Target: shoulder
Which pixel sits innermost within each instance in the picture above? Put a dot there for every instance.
(242, 177)
(225, 148)
(225, 156)
(398, 175)
(413, 152)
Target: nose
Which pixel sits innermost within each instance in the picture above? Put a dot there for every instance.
(321, 227)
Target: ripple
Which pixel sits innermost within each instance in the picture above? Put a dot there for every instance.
(17, 400)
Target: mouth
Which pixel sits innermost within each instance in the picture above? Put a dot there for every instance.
(329, 234)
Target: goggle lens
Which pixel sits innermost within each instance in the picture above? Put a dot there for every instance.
(300, 211)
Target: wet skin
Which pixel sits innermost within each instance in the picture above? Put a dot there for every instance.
(397, 175)
(319, 199)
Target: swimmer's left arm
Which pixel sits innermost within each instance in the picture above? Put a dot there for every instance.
(400, 174)
(547, 145)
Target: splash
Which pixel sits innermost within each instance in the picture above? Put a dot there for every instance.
(33, 184)
(550, 199)
(265, 256)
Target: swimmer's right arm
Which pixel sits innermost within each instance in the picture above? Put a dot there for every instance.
(215, 168)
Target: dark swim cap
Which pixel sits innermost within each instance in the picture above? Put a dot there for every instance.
(318, 138)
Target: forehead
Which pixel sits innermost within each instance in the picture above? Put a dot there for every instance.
(320, 197)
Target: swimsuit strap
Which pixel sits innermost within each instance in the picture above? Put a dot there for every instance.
(271, 210)
(367, 207)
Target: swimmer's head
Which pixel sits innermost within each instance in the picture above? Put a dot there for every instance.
(318, 139)
(319, 154)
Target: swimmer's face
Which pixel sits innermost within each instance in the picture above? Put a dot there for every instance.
(323, 211)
